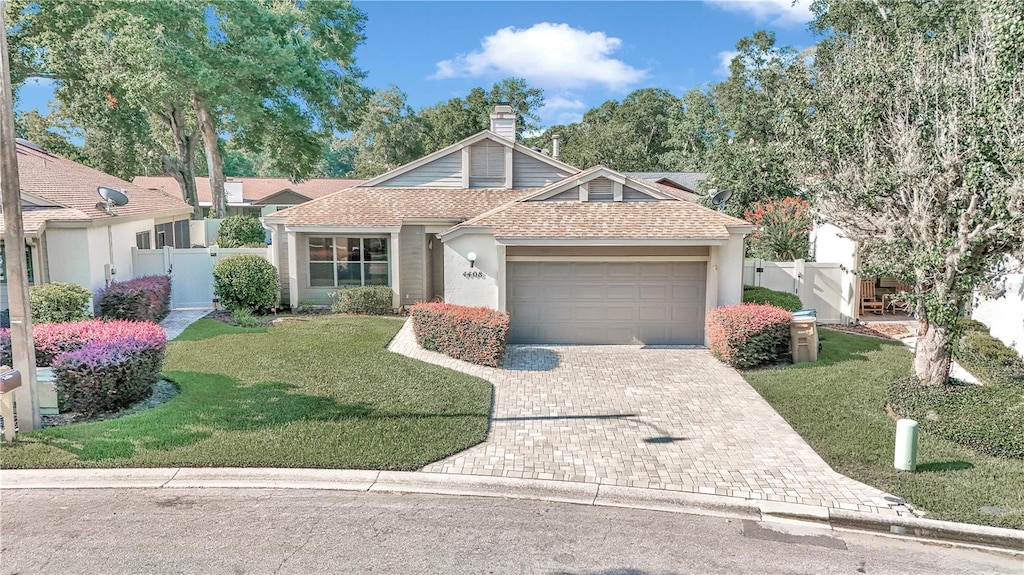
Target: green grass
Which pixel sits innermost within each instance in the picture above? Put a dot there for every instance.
(320, 393)
(837, 405)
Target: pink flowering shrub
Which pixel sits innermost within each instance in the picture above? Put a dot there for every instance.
(473, 334)
(782, 229)
(146, 298)
(97, 365)
(749, 335)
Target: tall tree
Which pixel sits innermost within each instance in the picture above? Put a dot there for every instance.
(276, 77)
(747, 154)
(913, 143)
(631, 135)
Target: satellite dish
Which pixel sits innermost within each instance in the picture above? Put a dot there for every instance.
(111, 196)
(111, 199)
(720, 197)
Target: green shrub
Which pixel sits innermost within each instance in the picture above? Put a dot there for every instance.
(239, 231)
(244, 318)
(763, 295)
(966, 325)
(246, 280)
(990, 360)
(749, 335)
(59, 302)
(987, 418)
(368, 300)
(473, 334)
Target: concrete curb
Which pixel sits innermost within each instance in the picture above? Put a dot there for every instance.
(947, 532)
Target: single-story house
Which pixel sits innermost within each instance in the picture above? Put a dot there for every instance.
(71, 237)
(575, 256)
(253, 196)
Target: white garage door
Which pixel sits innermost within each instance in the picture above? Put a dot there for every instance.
(606, 302)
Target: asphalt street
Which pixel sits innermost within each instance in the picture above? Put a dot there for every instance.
(236, 531)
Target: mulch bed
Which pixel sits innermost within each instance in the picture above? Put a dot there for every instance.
(883, 330)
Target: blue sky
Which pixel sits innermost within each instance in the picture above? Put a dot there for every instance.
(580, 53)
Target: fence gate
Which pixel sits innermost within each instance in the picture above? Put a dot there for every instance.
(191, 271)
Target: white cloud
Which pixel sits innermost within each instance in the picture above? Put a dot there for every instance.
(546, 55)
(724, 59)
(774, 11)
(562, 109)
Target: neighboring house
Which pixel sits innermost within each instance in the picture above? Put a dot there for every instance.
(574, 256)
(685, 181)
(70, 238)
(253, 196)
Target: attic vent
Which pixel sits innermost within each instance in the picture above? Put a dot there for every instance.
(487, 165)
(600, 190)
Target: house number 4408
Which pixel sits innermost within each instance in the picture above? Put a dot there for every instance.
(475, 274)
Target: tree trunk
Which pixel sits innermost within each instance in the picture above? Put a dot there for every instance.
(182, 165)
(931, 357)
(214, 162)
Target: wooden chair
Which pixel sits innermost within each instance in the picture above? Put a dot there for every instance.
(869, 301)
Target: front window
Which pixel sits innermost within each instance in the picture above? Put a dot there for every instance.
(28, 265)
(348, 261)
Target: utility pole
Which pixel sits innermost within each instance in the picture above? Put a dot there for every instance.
(23, 349)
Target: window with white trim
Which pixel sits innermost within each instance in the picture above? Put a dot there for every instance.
(348, 261)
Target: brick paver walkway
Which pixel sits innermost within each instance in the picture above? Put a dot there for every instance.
(665, 418)
(178, 320)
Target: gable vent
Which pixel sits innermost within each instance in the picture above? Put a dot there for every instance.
(600, 190)
(487, 165)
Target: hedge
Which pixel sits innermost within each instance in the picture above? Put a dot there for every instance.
(982, 417)
(473, 334)
(763, 295)
(749, 335)
(146, 298)
(97, 365)
(59, 302)
(369, 300)
(246, 280)
(989, 359)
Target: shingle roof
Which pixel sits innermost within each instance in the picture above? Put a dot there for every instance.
(254, 189)
(665, 219)
(72, 185)
(688, 180)
(33, 218)
(387, 207)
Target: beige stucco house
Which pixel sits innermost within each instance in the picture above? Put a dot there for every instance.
(71, 239)
(575, 256)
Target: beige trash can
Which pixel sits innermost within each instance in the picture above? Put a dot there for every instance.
(803, 339)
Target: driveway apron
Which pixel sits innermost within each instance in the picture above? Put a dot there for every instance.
(669, 418)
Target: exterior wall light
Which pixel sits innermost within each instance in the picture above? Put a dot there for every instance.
(471, 256)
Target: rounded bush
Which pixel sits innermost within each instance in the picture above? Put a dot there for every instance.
(146, 298)
(473, 334)
(239, 231)
(763, 295)
(749, 335)
(246, 280)
(59, 302)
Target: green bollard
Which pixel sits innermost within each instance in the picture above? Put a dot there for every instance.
(905, 457)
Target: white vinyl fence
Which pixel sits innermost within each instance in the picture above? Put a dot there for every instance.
(191, 271)
(819, 285)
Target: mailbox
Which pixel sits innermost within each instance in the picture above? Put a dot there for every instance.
(9, 381)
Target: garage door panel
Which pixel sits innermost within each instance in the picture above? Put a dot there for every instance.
(606, 302)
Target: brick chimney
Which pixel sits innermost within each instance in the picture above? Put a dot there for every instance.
(503, 121)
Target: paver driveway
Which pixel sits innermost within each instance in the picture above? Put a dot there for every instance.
(663, 418)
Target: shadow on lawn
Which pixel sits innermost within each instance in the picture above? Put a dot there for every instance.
(208, 403)
(945, 466)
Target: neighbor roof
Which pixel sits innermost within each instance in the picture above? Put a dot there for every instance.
(254, 189)
(664, 219)
(688, 180)
(388, 207)
(63, 183)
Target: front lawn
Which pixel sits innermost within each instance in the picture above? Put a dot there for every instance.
(837, 405)
(318, 393)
